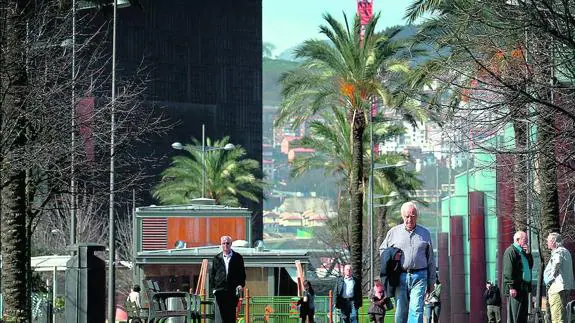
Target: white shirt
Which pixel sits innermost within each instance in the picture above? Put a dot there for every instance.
(348, 288)
(559, 271)
(227, 258)
(134, 297)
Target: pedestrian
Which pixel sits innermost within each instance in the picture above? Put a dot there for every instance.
(558, 277)
(134, 296)
(228, 277)
(492, 297)
(417, 262)
(348, 296)
(517, 265)
(433, 303)
(378, 305)
(307, 303)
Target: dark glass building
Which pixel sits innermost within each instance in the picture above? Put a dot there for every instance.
(204, 60)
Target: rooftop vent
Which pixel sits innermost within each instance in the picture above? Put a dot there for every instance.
(203, 201)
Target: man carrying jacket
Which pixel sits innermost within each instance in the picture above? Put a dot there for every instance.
(417, 265)
(517, 265)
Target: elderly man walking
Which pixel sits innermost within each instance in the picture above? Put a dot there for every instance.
(418, 265)
(517, 265)
(558, 276)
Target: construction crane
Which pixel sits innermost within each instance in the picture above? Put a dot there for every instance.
(365, 13)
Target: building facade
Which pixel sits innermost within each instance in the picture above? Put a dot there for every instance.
(203, 61)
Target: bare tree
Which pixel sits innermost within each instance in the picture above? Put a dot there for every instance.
(35, 139)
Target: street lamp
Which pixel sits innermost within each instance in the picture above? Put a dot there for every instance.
(203, 149)
(112, 230)
(374, 166)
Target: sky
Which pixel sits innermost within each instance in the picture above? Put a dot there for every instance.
(287, 23)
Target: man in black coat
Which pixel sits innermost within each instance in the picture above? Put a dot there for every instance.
(492, 298)
(348, 296)
(228, 278)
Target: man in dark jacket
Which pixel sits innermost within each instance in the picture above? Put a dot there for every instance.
(348, 296)
(228, 278)
(517, 265)
(492, 298)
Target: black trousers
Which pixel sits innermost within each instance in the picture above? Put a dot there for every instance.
(227, 304)
(517, 308)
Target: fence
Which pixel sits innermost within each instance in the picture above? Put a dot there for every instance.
(280, 309)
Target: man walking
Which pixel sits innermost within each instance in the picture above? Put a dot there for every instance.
(348, 295)
(228, 276)
(558, 276)
(418, 265)
(517, 265)
(492, 298)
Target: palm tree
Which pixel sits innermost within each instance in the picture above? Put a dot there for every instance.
(229, 176)
(332, 153)
(344, 71)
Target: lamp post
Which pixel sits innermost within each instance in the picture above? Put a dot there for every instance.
(76, 6)
(73, 133)
(203, 149)
(112, 230)
(372, 167)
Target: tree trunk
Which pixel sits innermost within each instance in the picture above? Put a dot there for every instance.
(547, 176)
(13, 225)
(356, 192)
(381, 232)
(520, 173)
(14, 254)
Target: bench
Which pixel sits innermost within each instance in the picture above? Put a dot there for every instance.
(160, 303)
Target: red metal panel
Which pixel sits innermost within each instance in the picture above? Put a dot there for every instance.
(154, 233)
(457, 274)
(505, 227)
(443, 266)
(477, 275)
(198, 231)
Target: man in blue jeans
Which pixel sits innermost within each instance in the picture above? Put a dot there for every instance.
(417, 261)
(348, 296)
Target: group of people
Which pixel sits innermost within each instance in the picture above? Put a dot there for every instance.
(408, 274)
(517, 266)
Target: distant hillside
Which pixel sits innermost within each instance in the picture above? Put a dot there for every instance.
(272, 69)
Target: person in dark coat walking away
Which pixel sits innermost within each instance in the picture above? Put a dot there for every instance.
(228, 276)
(379, 303)
(307, 303)
(348, 295)
(433, 303)
(492, 297)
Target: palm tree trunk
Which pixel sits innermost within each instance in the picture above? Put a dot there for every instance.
(356, 192)
(13, 192)
(381, 232)
(14, 254)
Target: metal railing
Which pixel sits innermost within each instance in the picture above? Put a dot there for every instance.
(280, 309)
